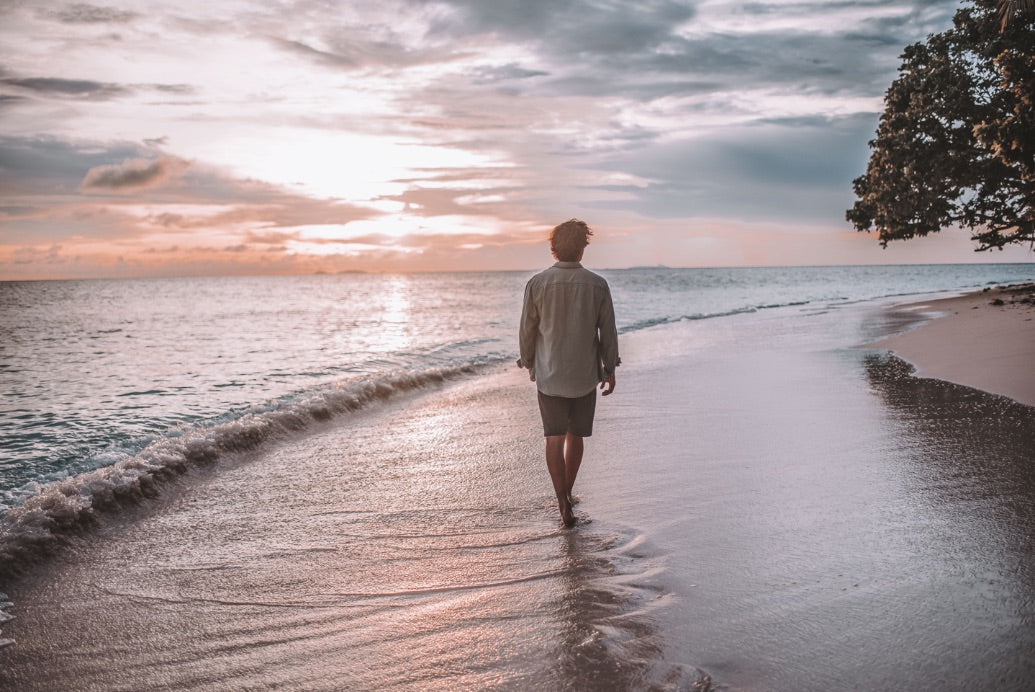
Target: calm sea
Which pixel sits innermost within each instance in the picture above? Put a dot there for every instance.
(133, 375)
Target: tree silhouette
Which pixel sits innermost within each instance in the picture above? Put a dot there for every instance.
(956, 142)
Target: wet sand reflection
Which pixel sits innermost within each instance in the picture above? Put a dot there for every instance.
(971, 471)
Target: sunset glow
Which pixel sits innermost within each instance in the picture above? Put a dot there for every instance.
(154, 138)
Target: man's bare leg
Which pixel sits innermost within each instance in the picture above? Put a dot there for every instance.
(573, 448)
(555, 463)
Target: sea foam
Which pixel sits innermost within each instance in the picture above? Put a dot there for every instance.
(66, 507)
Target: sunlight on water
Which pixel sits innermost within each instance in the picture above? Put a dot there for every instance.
(93, 371)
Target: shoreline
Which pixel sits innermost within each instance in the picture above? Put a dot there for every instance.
(983, 339)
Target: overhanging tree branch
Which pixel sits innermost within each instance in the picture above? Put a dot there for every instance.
(956, 142)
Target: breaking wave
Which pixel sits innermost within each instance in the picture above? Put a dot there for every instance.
(65, 507)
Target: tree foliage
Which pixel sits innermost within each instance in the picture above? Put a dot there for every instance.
(1008, 8)
(956, 142)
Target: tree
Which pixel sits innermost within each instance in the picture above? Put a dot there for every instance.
(1008, 8)
(956, 142)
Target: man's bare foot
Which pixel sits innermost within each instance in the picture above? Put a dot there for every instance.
(567, 516)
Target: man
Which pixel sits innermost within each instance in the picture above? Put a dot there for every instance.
(569, 344)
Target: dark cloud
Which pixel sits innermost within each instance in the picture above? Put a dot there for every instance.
(87, 89)
(794, 169)
(174, 88)
(77, 88)
(132, 174)
(84, 13)
(647, 50)
(49, 165)
(568, 28)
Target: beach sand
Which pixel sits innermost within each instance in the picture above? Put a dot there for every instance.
(763, 507)
(985, 340)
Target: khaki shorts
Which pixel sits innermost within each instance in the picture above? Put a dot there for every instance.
(562, 415)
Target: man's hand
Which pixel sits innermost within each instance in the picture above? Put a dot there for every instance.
(608, 385)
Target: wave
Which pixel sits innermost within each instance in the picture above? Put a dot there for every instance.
(66, 507)
(654, 322)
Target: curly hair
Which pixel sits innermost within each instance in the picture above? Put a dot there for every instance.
(569, 239)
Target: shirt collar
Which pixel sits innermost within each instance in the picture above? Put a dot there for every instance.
(568, 265)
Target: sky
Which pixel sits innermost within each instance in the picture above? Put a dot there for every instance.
(222, 137)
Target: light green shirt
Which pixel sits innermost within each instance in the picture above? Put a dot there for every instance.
(567, 335)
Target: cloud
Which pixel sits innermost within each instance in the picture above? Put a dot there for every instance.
(347, 47)
(77, 88)
(88, 89)
(84, 13)
(654, 49)
(504, 73)
(572, 28)
(54, 189)
(494, 115)
(35, 255)
(47, 165)
(132, 174)
(780, 171)
(181, 89)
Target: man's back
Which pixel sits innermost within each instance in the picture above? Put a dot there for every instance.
(568, 333)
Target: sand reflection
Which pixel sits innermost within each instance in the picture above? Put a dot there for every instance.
(967, 458)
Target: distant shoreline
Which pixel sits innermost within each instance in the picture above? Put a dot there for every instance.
(984, 339)
(527, 270)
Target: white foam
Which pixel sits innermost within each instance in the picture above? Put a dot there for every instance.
(34, 527)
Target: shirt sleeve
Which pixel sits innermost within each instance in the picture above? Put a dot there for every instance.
(528, 330)
(609, 358)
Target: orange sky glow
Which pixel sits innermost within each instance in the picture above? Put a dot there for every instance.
(167, 139)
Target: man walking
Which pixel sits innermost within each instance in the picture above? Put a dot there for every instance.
(569, 343)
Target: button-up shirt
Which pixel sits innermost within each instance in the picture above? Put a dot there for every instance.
(567, 336)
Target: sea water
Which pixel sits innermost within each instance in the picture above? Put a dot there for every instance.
(127, 377)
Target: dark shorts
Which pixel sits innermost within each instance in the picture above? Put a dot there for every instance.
(563, 415)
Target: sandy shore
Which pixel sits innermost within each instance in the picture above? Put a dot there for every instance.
(984, 340)
(763, 508)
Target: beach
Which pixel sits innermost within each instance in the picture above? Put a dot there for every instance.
(981, 339)
(766, 503)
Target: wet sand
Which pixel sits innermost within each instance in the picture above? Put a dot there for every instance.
(415, 546)
(763, 507)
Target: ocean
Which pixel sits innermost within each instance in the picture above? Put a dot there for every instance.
(342, 484)
(98, 372)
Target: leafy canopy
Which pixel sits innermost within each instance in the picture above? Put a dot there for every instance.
(956, 142)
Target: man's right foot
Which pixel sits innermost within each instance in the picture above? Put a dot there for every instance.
(567, 515)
